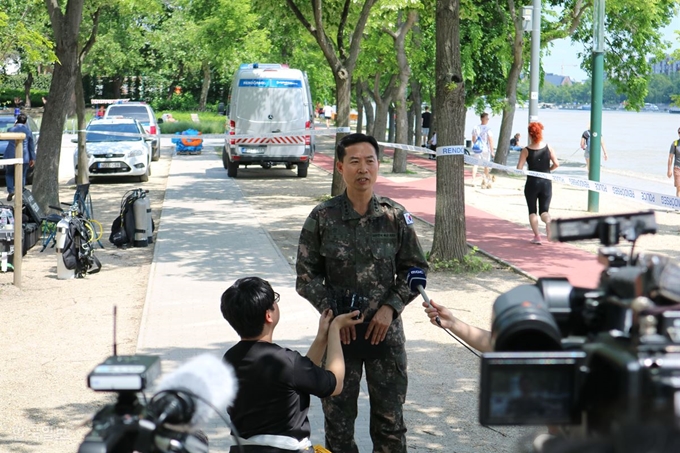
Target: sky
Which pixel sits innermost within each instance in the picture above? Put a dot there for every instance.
(563, 59)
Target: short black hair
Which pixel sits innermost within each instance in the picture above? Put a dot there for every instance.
(483, 115)
(22, 118)
(245, 303)
(353, 139)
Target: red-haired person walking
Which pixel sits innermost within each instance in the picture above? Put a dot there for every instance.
(540, 157)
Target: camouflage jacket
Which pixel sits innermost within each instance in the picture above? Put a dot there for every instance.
(369, 255)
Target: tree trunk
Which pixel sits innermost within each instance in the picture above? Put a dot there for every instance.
(399, 162)
(417, 99)
(27, 89)
(382, 107)
(205, 87)
(81, 176)
(410, 122)
(503, 145)
(368, 109)
(449, 240)
(390, 124)
(343, 87)
(117, 85)
(66, 29)
(360, 106)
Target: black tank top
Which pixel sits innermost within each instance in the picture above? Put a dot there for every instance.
(539, 159)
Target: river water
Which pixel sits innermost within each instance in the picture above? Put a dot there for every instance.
(637, 143)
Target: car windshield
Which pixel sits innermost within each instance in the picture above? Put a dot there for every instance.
(136, 112)
(108, 133)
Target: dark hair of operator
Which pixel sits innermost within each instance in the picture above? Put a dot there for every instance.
(353, 139)
(245, 303)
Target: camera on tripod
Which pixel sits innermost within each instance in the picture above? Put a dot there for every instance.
(605, 357)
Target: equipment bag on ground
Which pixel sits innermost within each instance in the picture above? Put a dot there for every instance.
(78, 251)
(134, 225)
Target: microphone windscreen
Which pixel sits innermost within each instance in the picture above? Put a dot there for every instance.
(208, 377)
(416, 277)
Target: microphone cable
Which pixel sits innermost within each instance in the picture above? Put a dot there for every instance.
(458, 339)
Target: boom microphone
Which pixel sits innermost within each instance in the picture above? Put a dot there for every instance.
(188, 394)
(417, 281)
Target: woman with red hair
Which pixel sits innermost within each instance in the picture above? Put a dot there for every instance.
(540, 157)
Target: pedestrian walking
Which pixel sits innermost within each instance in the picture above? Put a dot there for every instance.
(674, 165)
(486, 152)
(426, 118)
(355, 250)
(585, 146)
(540, 157)
(28, 153)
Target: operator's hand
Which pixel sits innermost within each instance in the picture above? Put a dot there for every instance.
(377, 328)
(324, 323)
(347, 321)
(434, 309)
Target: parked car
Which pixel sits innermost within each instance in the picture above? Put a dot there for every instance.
(143, 113)
(7, 120)
(116, 147)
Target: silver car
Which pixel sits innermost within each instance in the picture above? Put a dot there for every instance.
(143, 113)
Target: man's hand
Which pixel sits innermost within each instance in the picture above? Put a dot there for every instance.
(31, 163)
(377, 328)
(348, 334)
(346, 325)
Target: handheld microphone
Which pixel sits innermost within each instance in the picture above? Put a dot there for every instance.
(417, 281)
(188, 394)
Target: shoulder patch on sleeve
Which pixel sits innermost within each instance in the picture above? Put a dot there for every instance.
(310, 225)
(408, 218)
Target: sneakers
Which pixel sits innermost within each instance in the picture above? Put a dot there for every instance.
(486, 184)
(536, 240)
(10, 196)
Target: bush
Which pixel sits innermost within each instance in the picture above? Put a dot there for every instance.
(183, 102)
(205, 127)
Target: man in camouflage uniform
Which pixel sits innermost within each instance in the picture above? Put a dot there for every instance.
(358, 247)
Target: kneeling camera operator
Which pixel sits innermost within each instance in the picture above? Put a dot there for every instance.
(602, 364)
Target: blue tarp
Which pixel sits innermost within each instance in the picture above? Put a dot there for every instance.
(181, 147)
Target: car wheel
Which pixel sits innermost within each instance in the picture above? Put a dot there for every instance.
(145, 176)
(225, 158)
(156, 154)
(232, 169)
(302, 169)
(266, 165)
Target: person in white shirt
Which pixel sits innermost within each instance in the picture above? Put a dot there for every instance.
(483, 131)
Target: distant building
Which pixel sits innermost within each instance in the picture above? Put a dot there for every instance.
(557, 80)
(666, 66)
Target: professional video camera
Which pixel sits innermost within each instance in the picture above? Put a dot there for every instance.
(606, 358)
(168, 423)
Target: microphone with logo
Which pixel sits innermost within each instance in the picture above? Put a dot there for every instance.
(417, 281)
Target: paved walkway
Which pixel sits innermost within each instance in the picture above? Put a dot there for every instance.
(209, 236)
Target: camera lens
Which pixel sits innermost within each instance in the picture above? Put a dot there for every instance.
(522, 322)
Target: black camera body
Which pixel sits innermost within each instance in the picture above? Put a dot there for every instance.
(128, 425)
(606, 358)
(346, 301)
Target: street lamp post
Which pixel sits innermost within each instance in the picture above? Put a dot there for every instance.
(535, 67)
(596, 102)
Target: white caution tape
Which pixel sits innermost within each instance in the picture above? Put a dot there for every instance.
(643, 196)
(294, 136)
(417, 149)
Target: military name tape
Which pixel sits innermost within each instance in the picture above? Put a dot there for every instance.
(653, 198)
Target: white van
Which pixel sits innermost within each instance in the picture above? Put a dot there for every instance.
(269, 99)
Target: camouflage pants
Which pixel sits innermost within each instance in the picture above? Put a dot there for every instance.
(387, 384)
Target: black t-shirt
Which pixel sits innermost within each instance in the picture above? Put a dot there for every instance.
(274, 389)
(427, 118)
(539, 159)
